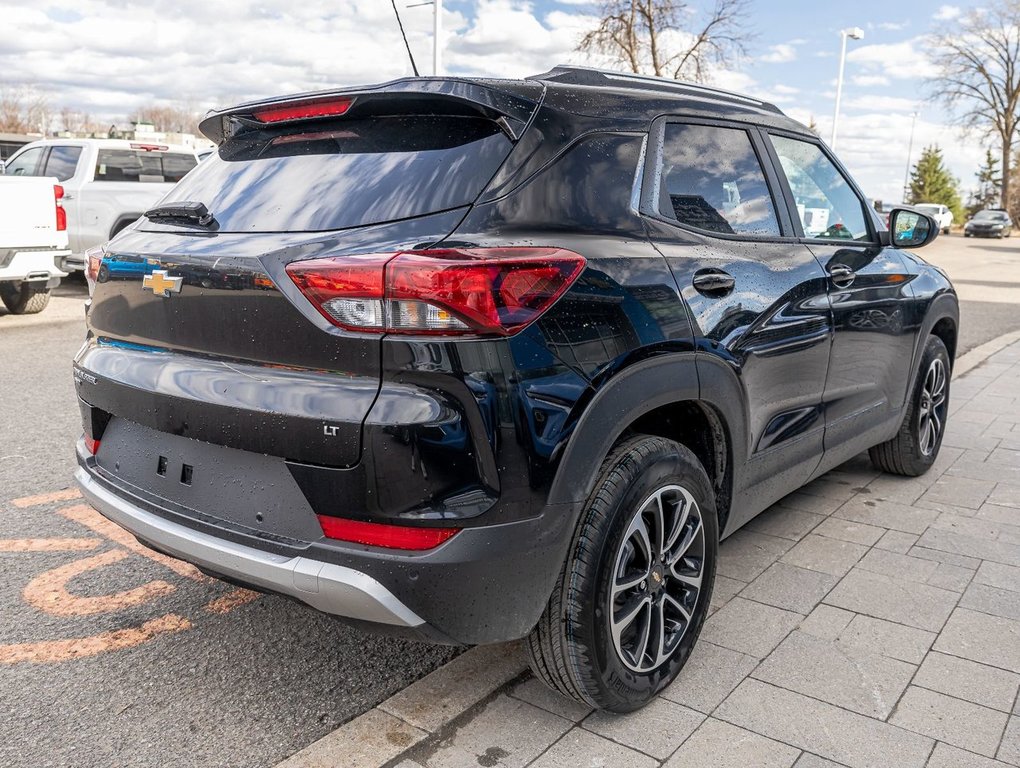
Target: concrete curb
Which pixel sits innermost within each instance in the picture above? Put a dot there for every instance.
(417, 712)
(970, 360)
(426, 707)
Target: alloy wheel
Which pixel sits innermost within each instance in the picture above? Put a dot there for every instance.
(932, 410)
(656, 579)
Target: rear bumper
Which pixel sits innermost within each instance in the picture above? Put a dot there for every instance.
(489, 583)
(41, 265)
(326, 586)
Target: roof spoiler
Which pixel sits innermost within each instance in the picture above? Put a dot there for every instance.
(510, 109)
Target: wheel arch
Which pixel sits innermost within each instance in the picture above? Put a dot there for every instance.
(663, 398)
(122, 222)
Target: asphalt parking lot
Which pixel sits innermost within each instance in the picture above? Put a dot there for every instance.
(112, 655)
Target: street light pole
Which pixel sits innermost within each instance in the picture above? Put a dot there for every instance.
(437, 33)
(856, 33)
(910, 149)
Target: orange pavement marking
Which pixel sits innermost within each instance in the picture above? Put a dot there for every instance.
(79, 647)
(48, 591)
(231, 600)
(87, 516)
(48, 545)
(47, 498)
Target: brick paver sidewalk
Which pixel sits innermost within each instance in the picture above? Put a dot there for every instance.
(866, 620)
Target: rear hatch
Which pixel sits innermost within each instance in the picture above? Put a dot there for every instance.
(196, 328)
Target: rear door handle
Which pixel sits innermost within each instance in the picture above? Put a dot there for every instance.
(713, 282)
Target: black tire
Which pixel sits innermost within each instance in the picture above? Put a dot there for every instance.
(22, 300)
(573, 649)
(910, 453)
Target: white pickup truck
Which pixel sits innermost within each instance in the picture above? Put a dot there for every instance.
(108, 183)
(33, 242)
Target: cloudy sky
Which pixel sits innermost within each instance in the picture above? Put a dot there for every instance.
(109, 57)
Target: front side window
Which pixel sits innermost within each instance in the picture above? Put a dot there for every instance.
(712, 179)
(25, 164)
(828, 207)
(62, 162)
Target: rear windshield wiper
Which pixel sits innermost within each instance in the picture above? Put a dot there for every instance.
(187, 211)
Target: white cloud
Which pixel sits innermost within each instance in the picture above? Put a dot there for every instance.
(902, 60)
(779, 54)
(867, 81)
(947, 13)
(892, 26)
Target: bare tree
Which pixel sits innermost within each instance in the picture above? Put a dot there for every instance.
(23, 109)
(669, 38)
(175, 118)
(979, 75)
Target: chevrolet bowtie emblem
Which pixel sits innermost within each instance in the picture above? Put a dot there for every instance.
(162, 284)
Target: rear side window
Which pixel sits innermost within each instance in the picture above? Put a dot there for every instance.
(142, 166)
(712, 179)
(346, 173)
(828, 207)
(62, 162)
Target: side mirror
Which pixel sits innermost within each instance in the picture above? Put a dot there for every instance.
(911, 229)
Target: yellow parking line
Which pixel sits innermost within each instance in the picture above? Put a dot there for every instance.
(48, 545)
(231, 600)
(47, 498)
(79, 647)
(87, 516)
(48, 591)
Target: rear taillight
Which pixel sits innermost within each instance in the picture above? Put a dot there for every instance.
(58, 195)
(303, 110)
(447, 291)
(93, 260)
(383, 534)
(91, 445)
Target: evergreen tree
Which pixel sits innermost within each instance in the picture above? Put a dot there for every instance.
(931, 182)
(989, 189)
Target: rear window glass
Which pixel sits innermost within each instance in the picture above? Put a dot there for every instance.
(712, 180)
(346, 173)
(142, 166)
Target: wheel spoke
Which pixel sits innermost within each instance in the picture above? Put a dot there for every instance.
(624, 585)
(680, 516)
(659, 612)
(625, 617)
(679, 607)
(691, 580)
(685, 545)
(926, 436)
(660, 526)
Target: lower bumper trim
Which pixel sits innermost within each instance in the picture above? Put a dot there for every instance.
(328, 587)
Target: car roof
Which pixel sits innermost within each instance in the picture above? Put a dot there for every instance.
(112, 144)
(603, 93)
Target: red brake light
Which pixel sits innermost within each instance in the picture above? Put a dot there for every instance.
(444, 291)
(303, 110)
(383, 534)
(151, 147)
(58, 194)
(91, 445)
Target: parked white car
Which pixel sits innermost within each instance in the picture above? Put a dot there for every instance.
(33, 242)
(108, 183)
(940, 213)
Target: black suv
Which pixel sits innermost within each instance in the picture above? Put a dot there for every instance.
(477, 360)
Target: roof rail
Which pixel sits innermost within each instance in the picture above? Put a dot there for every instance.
(569, 74)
